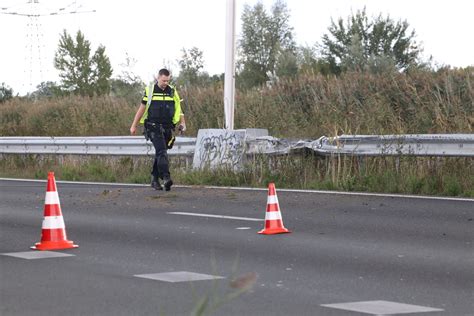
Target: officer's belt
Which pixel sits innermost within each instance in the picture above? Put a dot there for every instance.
(158, 125)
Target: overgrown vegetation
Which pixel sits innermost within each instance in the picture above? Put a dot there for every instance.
(309, 106)
(66, 116)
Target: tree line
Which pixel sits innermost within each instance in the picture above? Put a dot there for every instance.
(266, 53)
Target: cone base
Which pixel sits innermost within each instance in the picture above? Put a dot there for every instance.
(274, 231)
(50, 245)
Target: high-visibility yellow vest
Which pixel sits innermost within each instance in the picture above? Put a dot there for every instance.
(161, 97)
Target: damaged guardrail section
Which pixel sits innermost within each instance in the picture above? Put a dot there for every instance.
(449, 145)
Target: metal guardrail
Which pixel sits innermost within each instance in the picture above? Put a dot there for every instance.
(106, 145)
(459, 145)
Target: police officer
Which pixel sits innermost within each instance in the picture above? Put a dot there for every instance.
(160, 112)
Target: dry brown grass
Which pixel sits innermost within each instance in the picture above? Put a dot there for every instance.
(309, 106)
(306, 107)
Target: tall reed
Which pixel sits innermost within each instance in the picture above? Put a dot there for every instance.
(308, 106)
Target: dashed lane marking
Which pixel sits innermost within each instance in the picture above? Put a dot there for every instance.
(382, 308)
(37, 254)
(217, 216)
(179, 276)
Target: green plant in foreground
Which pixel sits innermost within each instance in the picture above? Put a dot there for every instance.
(210, 303)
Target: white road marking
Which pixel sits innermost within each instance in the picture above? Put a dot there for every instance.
(217, 216)
(258, 189)
(243, 228)
(382, 307)
(179, 276)
(339, 193)
(37, 254)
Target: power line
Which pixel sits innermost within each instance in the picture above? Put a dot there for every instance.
(69, 9)
(34, 33)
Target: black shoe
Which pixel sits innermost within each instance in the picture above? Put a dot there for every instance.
(168, 183)
(155, 184)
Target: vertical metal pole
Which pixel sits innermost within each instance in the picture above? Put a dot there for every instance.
(229, 81)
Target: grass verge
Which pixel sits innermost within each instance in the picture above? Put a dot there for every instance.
(406, 175)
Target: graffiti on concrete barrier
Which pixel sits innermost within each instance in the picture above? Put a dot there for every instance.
(224, 149)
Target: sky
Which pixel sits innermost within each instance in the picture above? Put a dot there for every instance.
(153, 32)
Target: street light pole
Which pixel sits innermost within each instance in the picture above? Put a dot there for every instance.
(229, 80)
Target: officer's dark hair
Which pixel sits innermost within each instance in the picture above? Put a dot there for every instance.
(164, 72)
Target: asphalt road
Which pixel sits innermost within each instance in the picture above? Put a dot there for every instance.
(342, 249)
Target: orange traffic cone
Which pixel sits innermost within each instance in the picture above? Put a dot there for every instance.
(273, 221)
(53, 234)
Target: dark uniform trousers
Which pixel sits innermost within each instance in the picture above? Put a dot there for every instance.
(160, 136)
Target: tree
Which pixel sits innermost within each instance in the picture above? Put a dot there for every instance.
(6, 93)
(286, 65)
(190, 64)
(47, 89)
(265, 37)
(128, 74)
(128, 85)
(101, 71)
(79, 72)
(310, 62)
(361, 44)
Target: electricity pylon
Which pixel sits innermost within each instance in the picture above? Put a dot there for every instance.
(33, 11)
